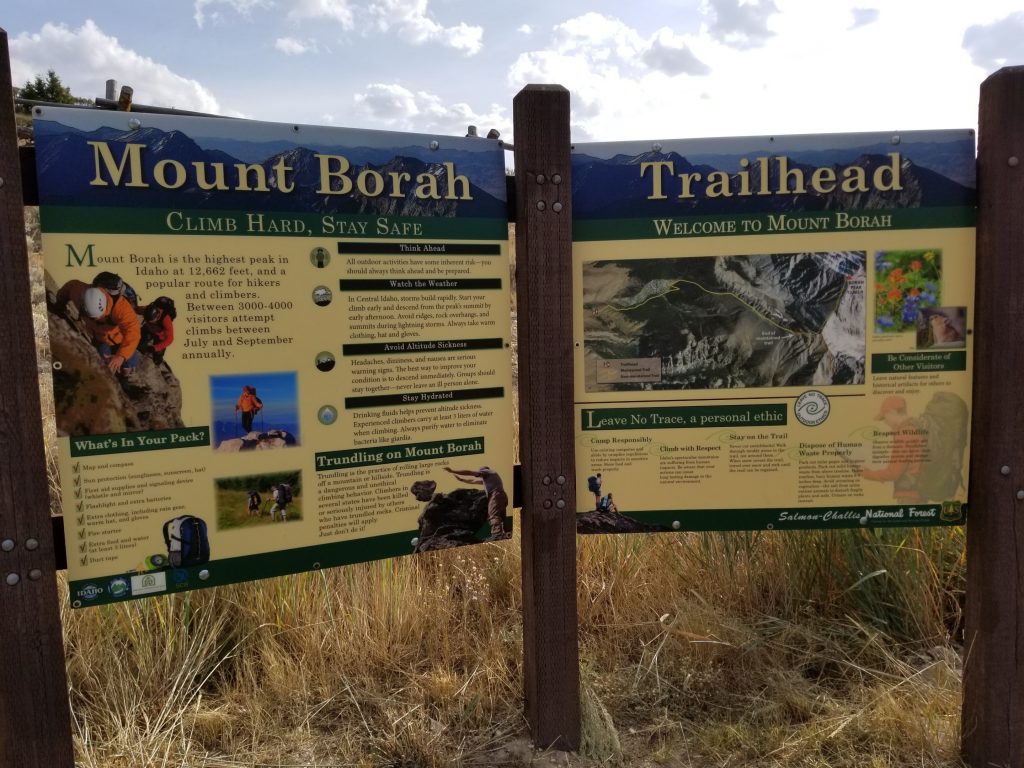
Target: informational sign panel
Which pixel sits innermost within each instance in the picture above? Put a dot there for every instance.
(275, 348)
(774, 332)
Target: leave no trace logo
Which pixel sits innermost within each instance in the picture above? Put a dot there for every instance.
(811, 408)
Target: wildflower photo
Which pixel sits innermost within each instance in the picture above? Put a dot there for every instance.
(906, 282)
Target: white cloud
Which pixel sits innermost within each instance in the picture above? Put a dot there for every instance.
(412, 22)
(241, 7)
(395, 107)
(608, 66)
(667, 52)
(339, 11)
(739, 23)
(629, 85)
(292, 47)
(995, 45)
(86, 57)
(525, 29)
(863, 16)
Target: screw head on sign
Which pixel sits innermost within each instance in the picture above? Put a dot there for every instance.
(560, 480)
(204, 575)
(1013, 162)
(1004, 470)
(12, 579)
(7, 545)
(415, 541)
(31, 544)
(556, 178)
(557, 207)
(676, 525)
(541, 205)
(560, 503)
(134, 123)
(435, 145)
(35, 574)
(540, 178)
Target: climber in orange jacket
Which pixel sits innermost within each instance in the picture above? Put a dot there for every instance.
(249, 404)
(111, 321)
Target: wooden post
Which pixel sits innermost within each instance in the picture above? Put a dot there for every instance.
(993, 698)
(544, 289)
(35, 721)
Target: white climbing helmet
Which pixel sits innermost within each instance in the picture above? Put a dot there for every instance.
(94, 302)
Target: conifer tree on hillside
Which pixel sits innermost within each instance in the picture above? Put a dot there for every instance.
(50, 89)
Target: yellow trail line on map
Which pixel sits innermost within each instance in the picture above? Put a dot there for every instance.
(752, 308)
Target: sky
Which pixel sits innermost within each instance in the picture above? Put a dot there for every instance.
(660, 69)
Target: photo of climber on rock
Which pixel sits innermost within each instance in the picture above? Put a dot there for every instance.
(248, 405)
(111, 321)
(497, 499)
(255, 411)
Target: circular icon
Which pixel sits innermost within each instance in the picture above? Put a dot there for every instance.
(320, 257)
(322, 296)
(811, 408)
(118, 587)
(328, 414)
(325, 361)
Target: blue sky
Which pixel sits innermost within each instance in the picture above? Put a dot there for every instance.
(659, 69)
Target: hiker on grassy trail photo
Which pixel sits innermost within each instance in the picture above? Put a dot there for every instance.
(111, 321)
(249, 405)
(258, 501)
(254, 503)
(282, 494)
(497, 499)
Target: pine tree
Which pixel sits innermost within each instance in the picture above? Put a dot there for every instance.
(51, 89)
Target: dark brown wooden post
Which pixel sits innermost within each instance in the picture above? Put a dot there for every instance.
(544, 287)
(35, 722)
(993, 704)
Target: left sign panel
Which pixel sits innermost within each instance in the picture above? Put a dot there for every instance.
(276, 348)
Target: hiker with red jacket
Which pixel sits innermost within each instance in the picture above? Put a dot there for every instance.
(249, 405)
(158, 328)
(110, 320)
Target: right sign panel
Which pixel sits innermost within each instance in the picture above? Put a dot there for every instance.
(773, 332)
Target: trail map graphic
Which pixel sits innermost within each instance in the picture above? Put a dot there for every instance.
(769, 320)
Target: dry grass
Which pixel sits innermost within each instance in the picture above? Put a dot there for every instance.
(799, 649)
